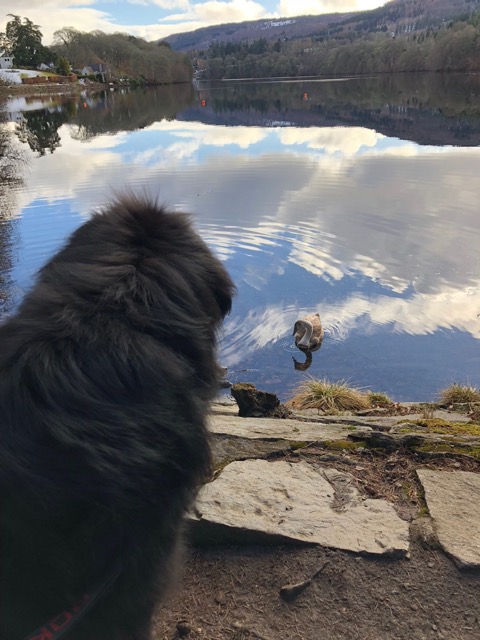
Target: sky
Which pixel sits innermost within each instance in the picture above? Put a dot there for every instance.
(154, 19)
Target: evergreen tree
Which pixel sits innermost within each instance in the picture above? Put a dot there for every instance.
(63, 66)
(23, 40)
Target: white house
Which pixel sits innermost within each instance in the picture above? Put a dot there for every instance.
(6, 61)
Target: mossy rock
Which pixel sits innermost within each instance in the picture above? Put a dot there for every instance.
(445, 427)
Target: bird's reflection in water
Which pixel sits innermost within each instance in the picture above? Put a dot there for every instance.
(303, 366)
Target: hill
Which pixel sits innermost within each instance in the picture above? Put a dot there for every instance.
(397, 16)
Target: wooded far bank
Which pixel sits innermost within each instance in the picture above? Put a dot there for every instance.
(454, 47)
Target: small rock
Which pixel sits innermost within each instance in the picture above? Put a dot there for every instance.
(183, 629)
(257, 404)
(422, 529)
(291, 591)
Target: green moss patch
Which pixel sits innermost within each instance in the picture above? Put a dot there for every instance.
(445, 427)
(445, 447)
(342, 445)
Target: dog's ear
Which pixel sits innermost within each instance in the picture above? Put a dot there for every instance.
(222, 287)
(223, 295)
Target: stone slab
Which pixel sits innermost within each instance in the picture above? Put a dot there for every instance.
(296, 502)
(278, 429)
(453, 500)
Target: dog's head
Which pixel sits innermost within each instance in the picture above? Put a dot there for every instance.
(135, 248)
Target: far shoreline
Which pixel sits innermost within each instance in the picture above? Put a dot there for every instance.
(71, 89)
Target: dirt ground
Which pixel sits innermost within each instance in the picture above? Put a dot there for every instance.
(233, 592)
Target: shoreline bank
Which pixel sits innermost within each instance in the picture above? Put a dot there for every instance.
(71, 89)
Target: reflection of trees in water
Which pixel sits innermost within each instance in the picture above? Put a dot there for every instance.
(11, 162)
(428, 108)
(454, 93)
(115, 111)
(5, 264)
(39, 129)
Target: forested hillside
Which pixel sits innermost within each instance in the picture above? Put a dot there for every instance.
(453, 47)
(397, 17)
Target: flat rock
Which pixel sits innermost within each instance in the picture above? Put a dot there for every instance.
(278, 429)
(453, 500)
(296, 502)
(225, 408)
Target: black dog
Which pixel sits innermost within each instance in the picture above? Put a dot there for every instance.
(106, 372)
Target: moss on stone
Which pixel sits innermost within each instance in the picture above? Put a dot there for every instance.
(297, 445)
(445, 427)
(340, 445)
(445, 447)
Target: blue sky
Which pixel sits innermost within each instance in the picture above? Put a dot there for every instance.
(153, 19)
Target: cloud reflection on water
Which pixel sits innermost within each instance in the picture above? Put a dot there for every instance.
(335, 203)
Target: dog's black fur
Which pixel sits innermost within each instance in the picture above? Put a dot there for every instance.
(106, 372)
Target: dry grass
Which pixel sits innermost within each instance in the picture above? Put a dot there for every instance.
(457, 393)
(378, 399)
(428, 411)
(474, 414)
(330, 397)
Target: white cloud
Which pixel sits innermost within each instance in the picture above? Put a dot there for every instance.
(243, 137)
(172, 4)
(216, 12)
(418, 315)
(388, 239)
(332, 139)
(62, 13)
(84, 16)
(313, 7)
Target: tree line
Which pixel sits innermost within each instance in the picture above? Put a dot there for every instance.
(454, 47)
(125, 56)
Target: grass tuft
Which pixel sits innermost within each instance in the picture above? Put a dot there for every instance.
(458, 394)
(330, 397)
(378, 399)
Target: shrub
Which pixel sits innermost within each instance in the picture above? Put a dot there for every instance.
(63, 66)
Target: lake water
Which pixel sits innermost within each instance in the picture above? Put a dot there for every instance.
(358, 199)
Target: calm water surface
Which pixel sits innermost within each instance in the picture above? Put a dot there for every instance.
(358, 199)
